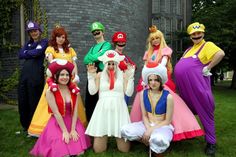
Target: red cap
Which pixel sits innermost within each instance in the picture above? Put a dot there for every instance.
(119, 37)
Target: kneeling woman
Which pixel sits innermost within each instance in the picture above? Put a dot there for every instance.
(155, 129)
(64, 134)
(111, 112)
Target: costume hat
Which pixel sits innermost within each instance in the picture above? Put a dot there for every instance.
(159, 70)
(59, 64)
(33, 26)
(97, 26)
(119, 37)
(111, 55)
(195, 27)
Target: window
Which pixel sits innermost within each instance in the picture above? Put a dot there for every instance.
(163, 6)
(173, 6)
(179, 24)
(156, 6)
(179, 7)
(156, 21)
(167, 6)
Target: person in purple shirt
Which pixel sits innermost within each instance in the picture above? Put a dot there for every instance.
(192, 75)
(31, 81)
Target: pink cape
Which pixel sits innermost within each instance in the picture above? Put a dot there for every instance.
(184, 122)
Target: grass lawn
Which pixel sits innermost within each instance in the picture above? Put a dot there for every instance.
(12, 145)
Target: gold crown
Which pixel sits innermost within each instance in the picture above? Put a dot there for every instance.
(57, 25)
(152, 29)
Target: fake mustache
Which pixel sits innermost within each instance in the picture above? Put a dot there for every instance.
(121, 45)
(196, 38)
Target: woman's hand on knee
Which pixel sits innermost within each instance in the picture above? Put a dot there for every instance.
(66, 137)
(74, 135)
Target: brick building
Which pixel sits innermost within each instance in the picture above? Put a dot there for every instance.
(131, 16)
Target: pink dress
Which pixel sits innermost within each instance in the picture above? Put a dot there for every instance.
(184, 122)
(50, 142)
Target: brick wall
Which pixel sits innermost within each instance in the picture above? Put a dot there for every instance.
(130, 16)
(126, 15)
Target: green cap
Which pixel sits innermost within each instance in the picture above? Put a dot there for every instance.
(97, 26)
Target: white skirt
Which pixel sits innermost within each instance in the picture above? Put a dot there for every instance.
(109, 115)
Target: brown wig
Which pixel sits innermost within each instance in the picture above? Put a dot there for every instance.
(58, 74)
(57, 32)
(160, 81)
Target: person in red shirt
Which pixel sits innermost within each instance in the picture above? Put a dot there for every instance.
(119, 40)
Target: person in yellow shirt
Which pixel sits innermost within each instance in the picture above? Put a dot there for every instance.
(59, 48)
(192, 74)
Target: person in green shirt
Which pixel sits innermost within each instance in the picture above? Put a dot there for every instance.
(101, 46)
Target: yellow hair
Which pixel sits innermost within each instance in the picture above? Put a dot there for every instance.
(153, 34)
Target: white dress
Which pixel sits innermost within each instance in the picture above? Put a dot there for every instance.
(111, 112)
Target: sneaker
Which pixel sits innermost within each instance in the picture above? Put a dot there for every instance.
(18, 132)
(210, 149)
(153, 154)
(23, 132)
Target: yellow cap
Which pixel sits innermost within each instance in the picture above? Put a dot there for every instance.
(195, 27)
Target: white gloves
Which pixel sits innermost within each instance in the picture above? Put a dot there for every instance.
(130, 87)
(129, 74)
(164, 60)
(206, 71)
(92, 84)
(76, 79)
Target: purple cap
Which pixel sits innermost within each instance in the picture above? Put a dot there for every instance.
(33, 26)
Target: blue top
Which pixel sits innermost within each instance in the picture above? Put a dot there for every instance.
(33, 54)
(161, 104)
(32, 50)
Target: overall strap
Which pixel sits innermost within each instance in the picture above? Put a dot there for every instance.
(186, 51)
(199, 50)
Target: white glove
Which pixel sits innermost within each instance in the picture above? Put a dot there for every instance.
(76, 79)
(130, 87)
(206, 71)
(92, 84)
(129, 76)
(164, 60)
(129, 73)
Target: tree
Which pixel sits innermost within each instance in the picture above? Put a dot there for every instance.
(219, 18)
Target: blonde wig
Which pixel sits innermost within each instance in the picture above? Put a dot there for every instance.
(155, 33)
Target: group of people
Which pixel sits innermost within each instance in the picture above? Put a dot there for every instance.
(158, 116)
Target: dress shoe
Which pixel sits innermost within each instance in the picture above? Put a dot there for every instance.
(210, 149)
